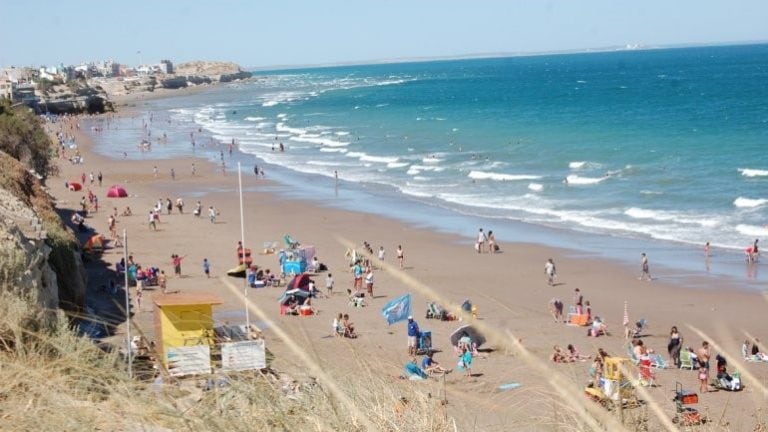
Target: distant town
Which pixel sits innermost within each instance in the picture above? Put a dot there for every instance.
(89, 87)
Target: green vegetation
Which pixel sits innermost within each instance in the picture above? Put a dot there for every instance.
(22, 137)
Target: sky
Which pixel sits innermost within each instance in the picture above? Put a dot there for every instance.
(295, 32)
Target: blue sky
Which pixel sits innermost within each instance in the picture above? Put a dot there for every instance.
(294, 32)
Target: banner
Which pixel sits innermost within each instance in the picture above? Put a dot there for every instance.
(244, 355)
(397, 309)
(189, 360)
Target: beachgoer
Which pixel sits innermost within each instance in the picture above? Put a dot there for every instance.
(176, 261)
(198, 209)
(674, 345)
(430, 366)
(152, 221)
(493, 247)
(100, 177)
(413, 336)
(329, 284)
(381, 253)
(549, 270)
(349, 328)
(162, 280)
(558, 356)
(556, 308)
(369, 282)
(180, 205)
(206, 267)
(578, 300)
(173, 174)
(465, 362)
(357, 271)
(574, 354)
(706, 250)
(644, 272)
(481, 239)
(338, 330)
(702, 355)
(400, 256)
(212, 214)
(193, 169)
(168, 205)
(154, 171)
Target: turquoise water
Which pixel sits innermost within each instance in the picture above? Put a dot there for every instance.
(659, 145)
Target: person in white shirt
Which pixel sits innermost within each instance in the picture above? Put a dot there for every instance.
(481, 239)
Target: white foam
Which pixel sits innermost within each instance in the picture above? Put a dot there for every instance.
(413, 171)
(379, 159)
(577, 165)
(282, 115)
(536, 187)
(749, 202)
(577, 180)
(333, 150)
(342, 133)
(270, 103)
(752, 230)
(483, 175)
(420, 178)
(750, 172)
(281, 127)
(668, 216)
(431, 160)
(397, 164)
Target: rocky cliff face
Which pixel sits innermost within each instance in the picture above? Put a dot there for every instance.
(74, 98)
(39, 257)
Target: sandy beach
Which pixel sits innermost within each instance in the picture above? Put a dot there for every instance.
(509, 289)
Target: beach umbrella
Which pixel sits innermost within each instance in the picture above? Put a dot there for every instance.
(116, 191)
(75, 186)
(469, 331)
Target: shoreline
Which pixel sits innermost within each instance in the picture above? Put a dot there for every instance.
(682, 263)
(509, 287)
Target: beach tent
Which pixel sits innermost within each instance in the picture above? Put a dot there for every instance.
(75, 186)
(238, 271)
(297, 287)
(94, 244)
(116, 192)
(299, 282)
(469, 331)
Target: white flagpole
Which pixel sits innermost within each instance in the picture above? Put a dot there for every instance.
(127, 306)
(242, 244)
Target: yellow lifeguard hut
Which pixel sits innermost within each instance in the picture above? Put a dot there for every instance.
(184, 332)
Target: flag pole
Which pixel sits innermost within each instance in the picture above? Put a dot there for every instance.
(127, 306)
(242, 245)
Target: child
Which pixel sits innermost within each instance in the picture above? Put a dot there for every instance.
(337, 330)
(702, 379)
(329, 284)
(162, 280)
(206, 267)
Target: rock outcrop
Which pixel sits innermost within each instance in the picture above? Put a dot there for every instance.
(76, 97)
(39, 257)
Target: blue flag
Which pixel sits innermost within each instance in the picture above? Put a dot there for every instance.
(397, 309)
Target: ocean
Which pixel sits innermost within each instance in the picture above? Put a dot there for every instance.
(664, 148)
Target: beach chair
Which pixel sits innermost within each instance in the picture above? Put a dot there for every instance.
(685, 360)
(290, 242)
(658, 361)
(425, 342)
(632, 356)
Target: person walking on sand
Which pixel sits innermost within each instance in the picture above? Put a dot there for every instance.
(162, 280)
(549, 270)
(207, 268)
(100, 177)
(329, 284)
(400, 256)
(481, 239)
(173, 174)
(381, 254)
(180, 205)
(198, 209)
(212, 214)
(645, 273)
(168, 205)
(154, 171)
(152, 221)
(193, 169)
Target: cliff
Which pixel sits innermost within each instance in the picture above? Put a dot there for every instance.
(39, 257)
(75, 97)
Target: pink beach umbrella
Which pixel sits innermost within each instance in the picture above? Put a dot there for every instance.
(117, 192)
